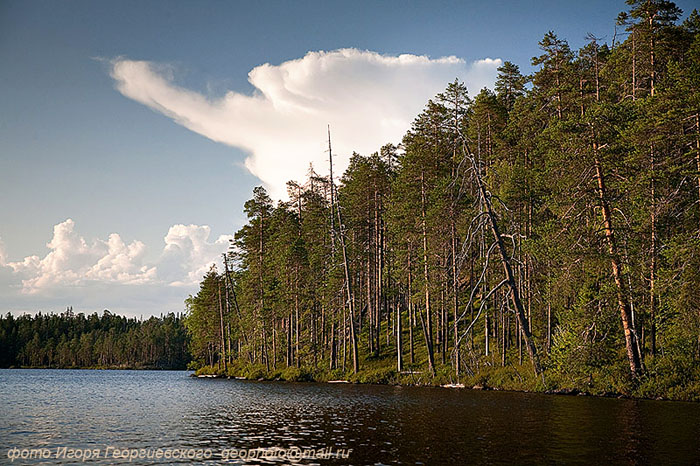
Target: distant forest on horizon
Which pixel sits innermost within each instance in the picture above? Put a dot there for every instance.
(70, 340)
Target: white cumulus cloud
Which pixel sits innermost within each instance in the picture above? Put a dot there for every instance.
(72, 261)
(188, 253)
(122, 263)
(369, 100)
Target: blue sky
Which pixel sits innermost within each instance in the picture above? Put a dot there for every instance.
(112, 112)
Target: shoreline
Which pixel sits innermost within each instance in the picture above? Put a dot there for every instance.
(569, 392)
(436, 384)
(100, 368)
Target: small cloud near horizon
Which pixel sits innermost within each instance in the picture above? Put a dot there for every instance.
(74, 262)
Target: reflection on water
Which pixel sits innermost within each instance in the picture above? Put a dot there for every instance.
(382, 425)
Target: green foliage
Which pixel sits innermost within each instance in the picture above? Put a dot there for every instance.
(195, 365)
(202, 318)
(505, 378)
(591, 167)
(68, 340)
(255, 371)
(210, 370)
(294, 374)
(379, 375)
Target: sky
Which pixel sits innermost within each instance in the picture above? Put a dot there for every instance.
(131, 132)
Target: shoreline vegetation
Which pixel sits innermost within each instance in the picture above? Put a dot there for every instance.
(510, 379)
(543, 236)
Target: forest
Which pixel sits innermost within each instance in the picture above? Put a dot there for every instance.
(108, 341)
(541, 236)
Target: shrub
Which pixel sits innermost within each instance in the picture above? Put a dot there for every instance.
(296, 374)
(255, 372)
(378, 376)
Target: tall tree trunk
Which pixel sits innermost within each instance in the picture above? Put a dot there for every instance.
(428, 327)
(333, 363)
(370, 302)
(652, 52)
(228, 324)
(346, 268)
(455, 298)
(221, 322)
(697, 160)
(630, 337)
(399, 341)
(549, 311)
(559, 110)
(486, 332)
(296, 319)
(634, 68)
(411, 319)
(503, 340)
(289, 358)
(652, 268)
(378, 273)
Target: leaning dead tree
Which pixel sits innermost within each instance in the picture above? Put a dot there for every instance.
(487, 220)
(346, 263)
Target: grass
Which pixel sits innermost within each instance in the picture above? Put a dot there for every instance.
(659, 382)
(672, 378)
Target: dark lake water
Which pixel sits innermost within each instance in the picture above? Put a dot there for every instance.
(45, 410)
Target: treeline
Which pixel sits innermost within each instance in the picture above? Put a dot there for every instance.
(553, 223)
(69, 340)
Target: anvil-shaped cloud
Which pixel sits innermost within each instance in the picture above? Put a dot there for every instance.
(369, 100)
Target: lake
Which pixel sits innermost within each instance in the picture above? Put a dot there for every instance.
(67, 416)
